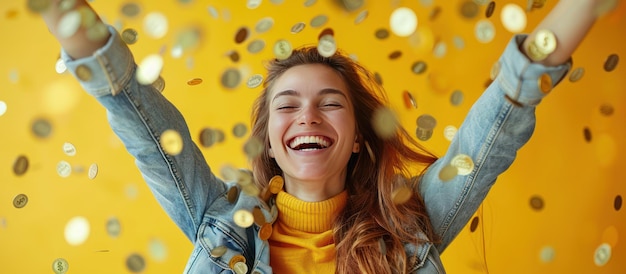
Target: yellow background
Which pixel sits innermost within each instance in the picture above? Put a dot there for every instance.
(577, 180)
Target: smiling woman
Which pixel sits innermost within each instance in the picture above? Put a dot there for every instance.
(328, 191)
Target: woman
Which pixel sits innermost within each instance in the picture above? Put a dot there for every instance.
(336, 210)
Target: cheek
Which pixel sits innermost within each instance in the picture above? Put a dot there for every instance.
(275, 129)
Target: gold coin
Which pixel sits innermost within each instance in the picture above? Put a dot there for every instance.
(60, 266)
(130, 9)
(20, 201)
(456, 98)
(490, 9)
(447, 173)
(385, 122)
(282, 49)
(253, 4)
(352, 5)
(533, 52)
(309, 3)
(395, 54)
(298, 27)
(576, 74)
(135, 263)
(194, 81)
(233, 194)
(378, 79)
(93, 171)
(276, 184)
(440, 49)
(264, 25)
(381, 34)
(240, 268)
(409, 101)
(236, 259)
(474, 224)
(155, 25)
(241, 35)
(83, 73)
(463, 163)
(611, 62)
(587, 134)
(546, 41)
(607, 109)
(326, 31)
(403, 21)
(401, 194)
(208, 137)
(259, 218)
(513, 18)
(484, 31)
(602, 254)
(69, 24)
(545, 83)
(20, 166)
(229, 173)
(434, 13)
(469, 9)
(69, 149)
(423, 134)
(458, 42)
(172, 142)
(449, 132)
(231, 78)
(243, 218)
(536, 203)
(617, 203)
(255, 81)
(240, 130)
(547, 254)
(361, 17)
(266, 231)
(319, 21)
(149, 69)
(327, 46)
(218, 251)
(113, 227)
(419, 67)
(129, 36)
(3, 108)
(251, 190)
(253, 147)
(59, 67)
(64, 169)
(97, 32)
(426, 121)
(38, 6)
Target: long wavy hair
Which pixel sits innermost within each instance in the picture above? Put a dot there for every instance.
(370, 233)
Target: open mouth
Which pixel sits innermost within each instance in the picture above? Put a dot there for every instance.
(309, 143)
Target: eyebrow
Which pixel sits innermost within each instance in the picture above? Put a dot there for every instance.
(291, 92)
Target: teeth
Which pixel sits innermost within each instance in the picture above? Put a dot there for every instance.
(309, 140)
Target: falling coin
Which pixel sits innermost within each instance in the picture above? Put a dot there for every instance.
(611, 62)
(456, 98)
(241, 35)
(381, 34)
(547, 254)
(69, 24)
(135, 263)
(239, 130)
(253, 147)
(327, 46)
(218, 251)
(20, 166)
(385, 122)
(93, 171)
(60, 266)
(194, 81)
(69, 149)
(319, 21)
(171, 141)
(576, 74)
(255, 81)
(474, 224)
(77, 230)
(38, 6)
(233, 194)
(469, 9)
(231, 78)
(602, 254)
(536, 203)
(298, 27)
(463, 163)
(361, 17)
(149, 69)
(409, 101)
(155, 24)
(447, 173)
(490, 9)
(485, 31)
(264, 25)
(419, 67)
(425, 126)
(64, 169)
(513, 18)
(20, 201)
(282, 49)
(243, 218)
(403, 21)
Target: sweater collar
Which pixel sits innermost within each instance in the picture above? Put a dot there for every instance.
(311, 217)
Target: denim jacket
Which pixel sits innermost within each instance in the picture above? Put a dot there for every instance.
(498, 124)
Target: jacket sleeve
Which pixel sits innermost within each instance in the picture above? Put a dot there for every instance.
(183, 184)
(499, 123)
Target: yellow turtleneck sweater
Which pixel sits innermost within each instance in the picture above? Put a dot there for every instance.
(302, 239)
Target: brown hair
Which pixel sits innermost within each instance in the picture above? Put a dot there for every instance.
(370, 217)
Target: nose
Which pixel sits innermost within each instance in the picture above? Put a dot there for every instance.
(310, 115)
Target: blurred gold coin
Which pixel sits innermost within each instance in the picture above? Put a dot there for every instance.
(259, 218)
(602, 254)
(319, 21)
(546, 41)
(266, 231)
(240, 268)
(440, 49)
(229, 173)
(381, 33)
(352, 5)
(545, 83)
(135, 263)
(113, 227)
(447, 173)
(513, 18)
(88, 17)
(456, 98)
(208, 137)
(3, 108)
(361, 17)
(97, 32)
(83, 73)
(458, 42)
(385, 122)
(20, 201)
(395, 54)
(38, 6)
(607, 109)
(469, 9)
(409, 100)
(20, 166)
(157, 250)
(449, 132)
(264, 25)
(298, 27)
(60, 266)
(490, 9)
(282, 49)
(463, 163)
(308, 3)
(546, 254)
(327, 46)
(129, 36)
(231, 78)
(149, 69)
(403, 22)
(255, 81)
(233, 194)
(426, 121)
(253, 147)
(243, 218)
(155, 25)
(276, 184)
(233, 55)
(241, 35)
(69, 149)
(172, 142)
(240, 130)
(194, 81)
(218, 251)
(130, 9)
(536, 203)
(587, 134)
(401, 194)
(93, 171)
(419, 67)
(69, 24)
(253, 4)
(611, 62)
(474, 224)
(370, 152)
(434, 13)
(251, 190)
(533, 52)
(64, 169)
(617, 203)
(576, 75)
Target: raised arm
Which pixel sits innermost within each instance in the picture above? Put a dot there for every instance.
(139, 114)
(503, 119)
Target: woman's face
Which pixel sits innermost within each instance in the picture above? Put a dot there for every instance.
(311, 124)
